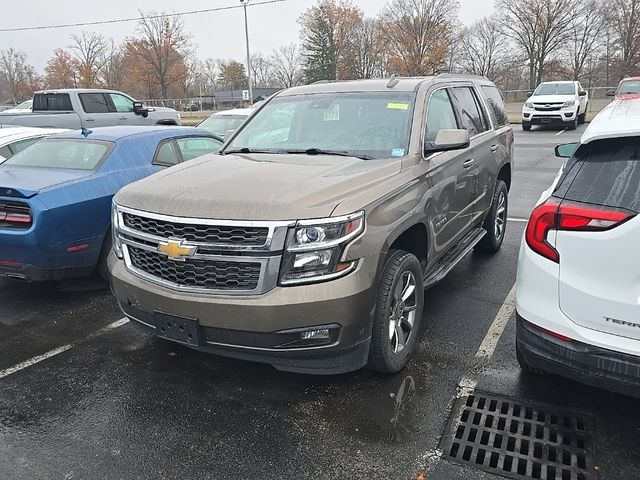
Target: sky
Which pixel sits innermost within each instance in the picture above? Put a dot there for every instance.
(217, 34)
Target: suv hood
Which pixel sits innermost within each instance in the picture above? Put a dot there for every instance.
(551, 98)
(256, 186)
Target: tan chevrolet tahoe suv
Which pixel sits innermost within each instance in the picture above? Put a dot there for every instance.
(307, 243)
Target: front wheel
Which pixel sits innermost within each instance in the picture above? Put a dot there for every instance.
(573, 125)
(526, 127)
(398, 312)
(496, 222)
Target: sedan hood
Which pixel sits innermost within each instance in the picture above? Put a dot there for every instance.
(256, 186)
(25, 182)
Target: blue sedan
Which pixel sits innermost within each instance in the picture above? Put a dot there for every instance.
(55, 196)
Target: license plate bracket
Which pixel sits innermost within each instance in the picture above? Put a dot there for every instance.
(183, 330)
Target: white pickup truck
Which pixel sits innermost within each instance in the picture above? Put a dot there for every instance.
(78, 108)
(561, 103)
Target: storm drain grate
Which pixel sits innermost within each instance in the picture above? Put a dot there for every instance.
(521, 441)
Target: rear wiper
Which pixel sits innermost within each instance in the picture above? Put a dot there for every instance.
(340, 153)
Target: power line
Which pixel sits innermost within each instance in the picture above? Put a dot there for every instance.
(135, 19)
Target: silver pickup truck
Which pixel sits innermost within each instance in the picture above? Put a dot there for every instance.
(78, 108)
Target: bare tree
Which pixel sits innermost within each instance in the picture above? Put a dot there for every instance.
(261, 71)
(538, 27)
(163, 45)
(89, 49)
(369, 49)
(482, 48)
(114, 71)
(419, 34)
(585, 36)
(19, 76)
(287, 66)
(625, 20)
(208, 75)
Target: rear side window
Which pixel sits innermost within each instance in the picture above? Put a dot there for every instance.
(605, 172)
(94, 103)
(496, 105)
(192, 147)
(68, 153)
(469, 110)
(167, 154)
(43, 102)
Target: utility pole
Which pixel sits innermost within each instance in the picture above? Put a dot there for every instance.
(246, 34)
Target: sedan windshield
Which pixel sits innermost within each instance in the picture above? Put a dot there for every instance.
(63, 153)
(221, 124)
(630, 86)
(556, 89)
(372, 125)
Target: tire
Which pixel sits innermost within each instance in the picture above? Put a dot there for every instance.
(573, 125)
(525, 366)
(391, 347)
(102, 267)
(496, 221)
(582, 118)
(526, 127)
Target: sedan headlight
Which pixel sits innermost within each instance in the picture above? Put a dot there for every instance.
(528, 104)
(115, 224)
(570, 103)
(315, 249)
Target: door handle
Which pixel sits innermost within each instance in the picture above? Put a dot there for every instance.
(494, 148)
(89, 119)
(468, 163)
(123, 118)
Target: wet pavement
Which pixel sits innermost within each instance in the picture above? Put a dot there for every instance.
(121, 405)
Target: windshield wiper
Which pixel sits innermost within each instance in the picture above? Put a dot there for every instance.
(249, 150)
(340, 153)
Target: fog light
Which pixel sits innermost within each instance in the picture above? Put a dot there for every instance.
(320, 334)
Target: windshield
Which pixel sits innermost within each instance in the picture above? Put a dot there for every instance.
(221, 124)
(556, 89)
(362, 124)
(630, 86)
(68, 153)
(24, 105)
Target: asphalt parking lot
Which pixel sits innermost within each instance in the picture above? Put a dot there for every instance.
(84, 395)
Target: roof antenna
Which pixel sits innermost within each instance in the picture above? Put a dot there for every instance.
(86, 132)
(393, 81)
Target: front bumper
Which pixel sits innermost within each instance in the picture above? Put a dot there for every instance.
(595, 366)
(559, 117)
(251, 327)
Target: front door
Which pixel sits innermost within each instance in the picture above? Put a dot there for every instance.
(123, 107)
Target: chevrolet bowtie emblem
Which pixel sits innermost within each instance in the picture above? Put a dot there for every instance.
(176, 250)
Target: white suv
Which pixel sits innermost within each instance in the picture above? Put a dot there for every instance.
(556, 103)
(578, 287)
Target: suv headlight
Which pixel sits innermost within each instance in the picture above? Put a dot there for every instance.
(528, 104)
(115, 225)
(314, 249)
(570, 103)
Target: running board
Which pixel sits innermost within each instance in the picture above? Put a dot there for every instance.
(446, 263)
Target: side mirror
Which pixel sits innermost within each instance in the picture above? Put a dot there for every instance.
(529, 94)
(566, 150)
(582, 93)
(611, 93)
(140, 109)
(448, 139)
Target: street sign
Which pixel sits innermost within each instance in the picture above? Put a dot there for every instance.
(245, 95)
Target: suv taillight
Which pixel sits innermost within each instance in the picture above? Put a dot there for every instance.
(571, 216)
(15, 215)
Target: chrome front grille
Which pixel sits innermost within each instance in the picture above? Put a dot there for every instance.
(191, 254)
(214, 234)
(206, 274)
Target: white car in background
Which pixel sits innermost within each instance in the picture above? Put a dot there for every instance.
(556, 104)
(578, 287)
(24, 107)
(226, 121)
(15, 139)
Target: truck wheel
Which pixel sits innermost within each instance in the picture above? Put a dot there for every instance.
(526, 127)
(582, 117)
(398, 312)
(496, 221)
(573, 125)
(102, 267)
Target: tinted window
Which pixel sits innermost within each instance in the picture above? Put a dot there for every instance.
(67, 153)
(604, 172)
(94, 103)
(43, 102)
(468, 109)
(121, 103)
(22, 144)
(168, 154)
(496, 105)
(5, 152)
(192, 147)
(440, 114)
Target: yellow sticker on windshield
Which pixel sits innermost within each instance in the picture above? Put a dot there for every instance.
(398, 106)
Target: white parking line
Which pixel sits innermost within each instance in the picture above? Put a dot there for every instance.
(56, 351)
(561, 132)
(518, 220)
(488, 345)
